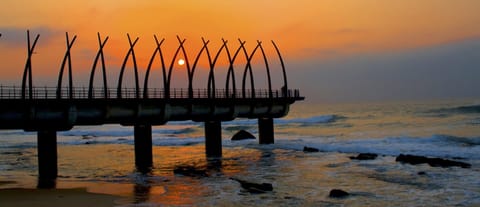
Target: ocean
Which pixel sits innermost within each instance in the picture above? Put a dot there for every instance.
(101, 159)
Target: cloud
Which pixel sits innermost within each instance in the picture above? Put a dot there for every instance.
(14, 37)
(438, 72)
(347, 31)
(329, 52)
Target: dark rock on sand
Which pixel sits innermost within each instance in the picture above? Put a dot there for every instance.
(254, 187)
(310, 149)
(242, 135)
(190, 171)
(434, 162)
(365, 156)
(337, 193)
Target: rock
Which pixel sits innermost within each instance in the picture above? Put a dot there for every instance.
(365, 156)
(310, 149)
(85, 136)
(242, 135)
(190, 171)
(434, 162)
(421, 173)
(254, 187)
(337, 193)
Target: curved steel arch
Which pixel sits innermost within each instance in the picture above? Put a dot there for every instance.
(270, 94)
(231, 71)
(147, 74)
(190, 75)
(285, 86)
(167, 89)
(189, 70)
(211, 74)
(28, 68)
(248, 67)
(104, 72)
(120, 78)
(66, 58)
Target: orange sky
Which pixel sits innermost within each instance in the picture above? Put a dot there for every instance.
(304, 29)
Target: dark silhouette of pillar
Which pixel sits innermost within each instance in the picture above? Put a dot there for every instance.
(213, 138)
(47, 158)
(265, 130)
(143, 147)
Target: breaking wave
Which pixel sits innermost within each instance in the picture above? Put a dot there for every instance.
(470, 109)
(120, 132)
(324, 119)
(436, 145)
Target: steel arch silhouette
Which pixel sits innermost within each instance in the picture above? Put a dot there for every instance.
(284, 72)
(131, 52)
(28, 68)
(169, 77)
(190, 75)
(230, 81)
(66, 58)
(248, 67)
(231, 72)
(149, 67)
(104, 72)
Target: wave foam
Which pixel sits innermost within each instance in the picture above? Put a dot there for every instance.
(324, 119)
(470, 109)
(443, 146)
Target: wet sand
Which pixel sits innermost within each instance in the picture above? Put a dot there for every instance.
(20, 197)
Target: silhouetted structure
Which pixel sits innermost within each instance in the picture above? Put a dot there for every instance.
(47, 110)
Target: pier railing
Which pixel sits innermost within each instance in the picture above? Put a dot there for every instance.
(15, 92)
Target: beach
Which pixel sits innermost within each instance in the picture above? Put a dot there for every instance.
(96, 164)
(54, 197)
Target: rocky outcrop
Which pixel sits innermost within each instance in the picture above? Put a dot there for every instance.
(337, 193)
(434, 162)
(365, 156)
(242, 135)
(310, 149)
(254, 187)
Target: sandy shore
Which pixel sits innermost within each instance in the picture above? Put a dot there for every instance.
(55, 197)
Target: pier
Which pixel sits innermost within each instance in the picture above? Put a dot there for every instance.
(47, 110)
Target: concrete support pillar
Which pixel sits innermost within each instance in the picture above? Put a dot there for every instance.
(47, 156)
(213, 138)
(143, 147)
(265, 130)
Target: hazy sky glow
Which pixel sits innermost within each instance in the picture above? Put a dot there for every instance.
(344, 50)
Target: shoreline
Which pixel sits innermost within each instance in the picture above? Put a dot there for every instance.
(73, 197)
(296, 184)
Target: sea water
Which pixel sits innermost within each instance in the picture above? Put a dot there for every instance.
(101, 159)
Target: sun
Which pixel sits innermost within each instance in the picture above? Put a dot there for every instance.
(181, 62)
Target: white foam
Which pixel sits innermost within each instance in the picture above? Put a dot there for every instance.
(435, 146)
(310, 120)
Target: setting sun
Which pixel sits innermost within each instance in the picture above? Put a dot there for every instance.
(181, 62)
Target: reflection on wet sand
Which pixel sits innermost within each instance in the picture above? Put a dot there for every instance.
(104, 172)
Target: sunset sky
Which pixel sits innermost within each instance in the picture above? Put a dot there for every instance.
(335, 51)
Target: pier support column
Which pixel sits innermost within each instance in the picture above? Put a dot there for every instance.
(213, 138)
(265, 130)
(47, 158)
(143, 147)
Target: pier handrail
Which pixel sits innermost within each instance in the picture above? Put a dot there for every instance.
(49, 92)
